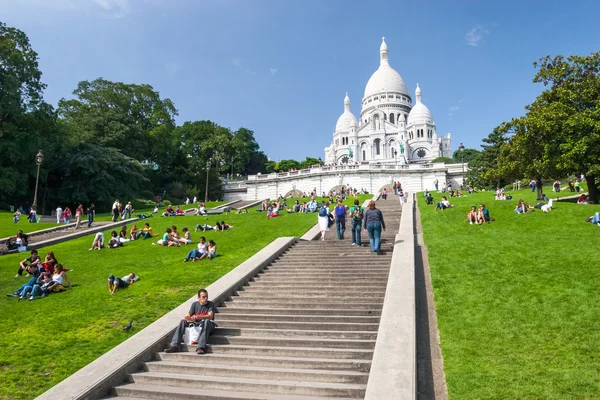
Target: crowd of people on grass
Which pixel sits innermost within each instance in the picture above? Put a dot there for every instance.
(45, 277)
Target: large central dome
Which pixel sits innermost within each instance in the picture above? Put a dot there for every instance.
(385, 79)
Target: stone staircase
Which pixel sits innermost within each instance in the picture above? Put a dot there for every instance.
(245, 204)
(304, 328)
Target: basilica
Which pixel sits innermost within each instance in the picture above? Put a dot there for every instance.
(390, 130)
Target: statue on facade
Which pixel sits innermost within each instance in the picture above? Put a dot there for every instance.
(350, 153)
(401, 148)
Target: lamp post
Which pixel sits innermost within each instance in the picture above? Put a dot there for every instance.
(39, 159)
(461, 148)
(206, 188)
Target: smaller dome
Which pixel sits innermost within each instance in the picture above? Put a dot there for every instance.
(347, 120)
(420, 113)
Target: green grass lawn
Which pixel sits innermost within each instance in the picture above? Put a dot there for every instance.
(8, 228)
(147, 209)
(46, 340)
(517, 300)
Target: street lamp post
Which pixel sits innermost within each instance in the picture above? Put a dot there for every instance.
(206, 188)
(39, 159)
(462, 163)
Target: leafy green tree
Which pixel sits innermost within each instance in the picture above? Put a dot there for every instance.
(446, 160)
(310, 161)
(257, 163)
(567, 114)
(129, 117)
(466, 155)
(483, 169)
(286, 165)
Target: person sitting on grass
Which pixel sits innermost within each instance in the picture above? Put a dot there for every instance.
(98, 241)
(175, 237)
(179, 212)
(31, 265)
(165, 238)
(201, 209)
(483, 215)
(42, 287)
(583, 199)
(146, 232)
(16, 216)
(60, 277)
(202, 314)
(133, 232)
(196, 253)
(123, 233)
(443, 204)
(211, 251)
(241, 211)
(204, 227)
(169, 211)
(115, 283)
(521, 207)
(21, 289)
(187, 237)
(49, 262)
(155, 211)
(115, 241)
(273, 211)
(472, 215)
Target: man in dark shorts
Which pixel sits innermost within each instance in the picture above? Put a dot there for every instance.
(31, 264)
(115, 283)
(202, 313)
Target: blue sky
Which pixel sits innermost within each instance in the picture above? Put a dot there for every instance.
(281, 68)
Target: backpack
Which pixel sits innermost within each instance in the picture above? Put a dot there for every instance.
(323, 212)
(340, 211)
(357, 213)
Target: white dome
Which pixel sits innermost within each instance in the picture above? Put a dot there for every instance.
(385, 79)
(347, 120)
(419, 114)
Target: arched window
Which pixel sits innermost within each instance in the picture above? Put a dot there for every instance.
(392, 118)
(391, 148)
(377, 144)
(364, 155)
(363, 148)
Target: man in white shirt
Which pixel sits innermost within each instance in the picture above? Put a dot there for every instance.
(59, 212)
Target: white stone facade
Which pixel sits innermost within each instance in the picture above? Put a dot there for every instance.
(390, 130)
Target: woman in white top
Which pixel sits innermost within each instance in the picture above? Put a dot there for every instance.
(60, 275)
(323, 220)
(98, 241)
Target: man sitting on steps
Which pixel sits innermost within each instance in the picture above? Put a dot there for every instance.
(202, 313)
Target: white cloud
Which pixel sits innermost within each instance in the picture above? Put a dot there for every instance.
(477, 34)
(236, 62)
(273, 71)
(114, 8)
(455, 108)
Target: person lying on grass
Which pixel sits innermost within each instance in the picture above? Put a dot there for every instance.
(123, 283)
(195, 254)
(98, 241)
(204, 227)
(31, 264)
(212, 251)
(443, 204)
(114, 241)
(224, 226)
(146, 232)
(202, 314)
(241, 211)
(594, 219)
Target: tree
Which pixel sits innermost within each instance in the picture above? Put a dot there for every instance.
(568, 114)
(446, 160)
(129, 117)
(466, 155)
(310, 161)
(483, 169)
(286, 165)
(25, 120)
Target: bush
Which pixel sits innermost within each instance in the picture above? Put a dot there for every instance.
(166, 203)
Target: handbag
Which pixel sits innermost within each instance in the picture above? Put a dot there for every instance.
(192, 333)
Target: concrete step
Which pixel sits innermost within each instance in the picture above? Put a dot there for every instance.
(266, 290)
(341, 266)
(299, 318)
(303, 282)
(251, 385)
(260, 372)
(276, 296)
(162, 392)
(296, 333)
(318, 285)
(312, 342)
(294, 304)
(230, 307)
(287, 351)
(305, 326)
(324, 273)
